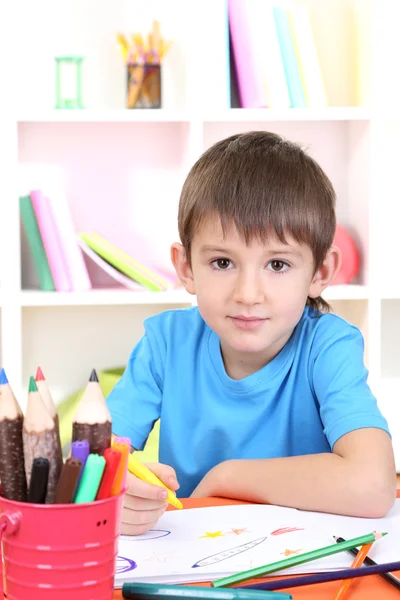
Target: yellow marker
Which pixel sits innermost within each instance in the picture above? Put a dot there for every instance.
(142, 472)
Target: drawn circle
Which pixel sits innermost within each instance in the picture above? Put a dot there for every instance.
(151, 534)
(124, 565)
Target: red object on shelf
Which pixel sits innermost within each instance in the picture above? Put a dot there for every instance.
(350, 256)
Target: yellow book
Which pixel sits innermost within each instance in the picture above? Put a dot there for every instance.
(307, 56)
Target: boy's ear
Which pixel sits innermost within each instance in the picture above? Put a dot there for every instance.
(182, 267)
(326, 272)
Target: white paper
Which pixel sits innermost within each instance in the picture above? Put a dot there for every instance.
(229, 539)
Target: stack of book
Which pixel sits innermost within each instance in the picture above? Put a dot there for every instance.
(58, 251)
(274, 54)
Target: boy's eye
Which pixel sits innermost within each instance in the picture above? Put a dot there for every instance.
(221, 264)
(278, 266)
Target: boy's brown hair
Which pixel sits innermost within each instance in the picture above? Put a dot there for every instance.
(260, 181)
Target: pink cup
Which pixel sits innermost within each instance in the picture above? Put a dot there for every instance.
(59, 551)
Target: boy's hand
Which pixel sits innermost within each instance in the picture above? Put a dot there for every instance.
(145, 503)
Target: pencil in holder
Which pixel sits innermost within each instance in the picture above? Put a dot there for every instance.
(59, 551)
(143, 85)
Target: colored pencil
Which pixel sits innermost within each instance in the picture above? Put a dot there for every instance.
(297, 560)
(157, 591)
(91, 478)
(80, 450)
(389, 577)
(39, 479)
(68, 482)
(12, 471)
(357, 562)
(92, 421)
(47, 398)
(282, 584)
(113, 458)
(142, 472)
(120, 475)
(41, 439)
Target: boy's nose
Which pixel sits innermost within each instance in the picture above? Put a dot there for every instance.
(248, 289)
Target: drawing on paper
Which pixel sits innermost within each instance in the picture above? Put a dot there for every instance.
(286, 530)
(290, 552)
(220, 556)
(125, 564)
(215, 534)
(151, 534)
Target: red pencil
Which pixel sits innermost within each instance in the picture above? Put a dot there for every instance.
(113, 458)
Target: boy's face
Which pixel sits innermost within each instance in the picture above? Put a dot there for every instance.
(252, 296)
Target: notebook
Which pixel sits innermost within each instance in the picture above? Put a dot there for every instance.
(203, 544)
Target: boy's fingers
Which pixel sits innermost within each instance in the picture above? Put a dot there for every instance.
(129, 529)
(142, 489)
(141, 517)
(136, 503)
(165, 473)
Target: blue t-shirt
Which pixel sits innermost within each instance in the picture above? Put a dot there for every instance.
(312, 393)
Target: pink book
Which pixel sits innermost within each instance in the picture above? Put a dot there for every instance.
(76, 266)
(51, 242)
(252, 89)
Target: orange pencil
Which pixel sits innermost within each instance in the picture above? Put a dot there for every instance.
(357, 562)
(122, 467)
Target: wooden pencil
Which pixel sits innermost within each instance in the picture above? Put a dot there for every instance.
(92, 421)
(41, 439)
(357, 563)
(12, 471)
(47, 398)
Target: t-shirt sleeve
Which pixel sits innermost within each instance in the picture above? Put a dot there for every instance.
(339, 379)
(135, 401)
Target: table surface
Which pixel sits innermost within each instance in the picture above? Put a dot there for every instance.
(368, 588)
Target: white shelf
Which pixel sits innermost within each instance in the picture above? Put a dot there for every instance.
(231, 115)
(106, 297)
(240, 115)
(106, 116)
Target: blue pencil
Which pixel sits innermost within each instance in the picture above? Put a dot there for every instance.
(281, 584)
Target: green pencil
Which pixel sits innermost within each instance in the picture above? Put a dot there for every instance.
(298, 559)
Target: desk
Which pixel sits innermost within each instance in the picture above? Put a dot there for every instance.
(369, 588)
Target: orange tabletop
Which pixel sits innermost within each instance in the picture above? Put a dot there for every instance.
(368, 588)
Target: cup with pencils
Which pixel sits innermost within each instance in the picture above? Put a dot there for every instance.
(143, 58)
(59, 520)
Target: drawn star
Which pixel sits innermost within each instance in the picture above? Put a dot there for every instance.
(212, 534)
(290, 552)
(238, 531)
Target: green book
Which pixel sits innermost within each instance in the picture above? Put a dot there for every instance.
(35, 243)
(125, 263)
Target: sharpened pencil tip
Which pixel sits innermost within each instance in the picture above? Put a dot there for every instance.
(32, 385)
(3, 377)
(39, 375)
(93, 376)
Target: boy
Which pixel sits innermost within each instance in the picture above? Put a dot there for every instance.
(261, 393)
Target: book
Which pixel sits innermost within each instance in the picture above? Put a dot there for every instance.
(125, 263)
(307, 56)
(204, 544)
(289, 58)
(109, 269)
(49, 234)
(35, 244)
(73, 257)
(252, 91)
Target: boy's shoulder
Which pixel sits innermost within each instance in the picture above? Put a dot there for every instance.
(179, 323)
(321, 328)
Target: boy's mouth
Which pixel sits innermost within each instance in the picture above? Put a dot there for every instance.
(247, 323)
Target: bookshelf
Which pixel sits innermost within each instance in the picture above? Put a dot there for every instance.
(123, 171)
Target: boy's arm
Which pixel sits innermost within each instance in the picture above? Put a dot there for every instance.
(359, 476)
(357, 479)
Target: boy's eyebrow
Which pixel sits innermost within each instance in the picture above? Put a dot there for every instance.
(284, 250)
